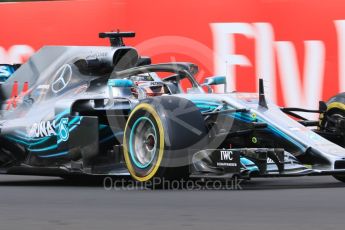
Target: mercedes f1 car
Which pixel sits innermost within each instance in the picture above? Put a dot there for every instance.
(108, 111)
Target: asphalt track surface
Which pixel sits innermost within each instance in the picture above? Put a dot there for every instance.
(35, 203)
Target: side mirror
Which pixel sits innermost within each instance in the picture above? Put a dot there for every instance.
(215, 80)
(322, 106)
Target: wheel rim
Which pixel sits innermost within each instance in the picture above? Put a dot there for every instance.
(335, 117)
(143, 142)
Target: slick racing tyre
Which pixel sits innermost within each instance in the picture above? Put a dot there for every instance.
(10, 154)
(333, 119)
(340, 178)
(159, 135)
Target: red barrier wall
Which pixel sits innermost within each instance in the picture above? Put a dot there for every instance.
(297, 46)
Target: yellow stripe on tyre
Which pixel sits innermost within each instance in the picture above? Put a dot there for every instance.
(336, 105)
(149, 108)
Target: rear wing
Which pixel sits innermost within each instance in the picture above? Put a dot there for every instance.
(6, 71)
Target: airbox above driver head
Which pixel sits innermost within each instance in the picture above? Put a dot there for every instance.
(119, 58)
(125, 58)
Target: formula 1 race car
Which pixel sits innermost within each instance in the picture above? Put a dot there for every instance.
(108, 111)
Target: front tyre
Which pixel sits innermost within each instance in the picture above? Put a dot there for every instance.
(158, 136)
(333, 120)
(144, 142)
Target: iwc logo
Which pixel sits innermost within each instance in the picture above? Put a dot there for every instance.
(226, 155)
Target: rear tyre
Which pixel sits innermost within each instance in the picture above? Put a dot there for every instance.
(159, 135)
(10, 153)
(340, 178)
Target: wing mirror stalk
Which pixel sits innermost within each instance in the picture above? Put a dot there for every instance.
(215, 80)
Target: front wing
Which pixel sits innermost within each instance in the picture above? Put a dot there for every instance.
(250, 162)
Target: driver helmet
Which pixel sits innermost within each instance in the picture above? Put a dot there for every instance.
(148, 85)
